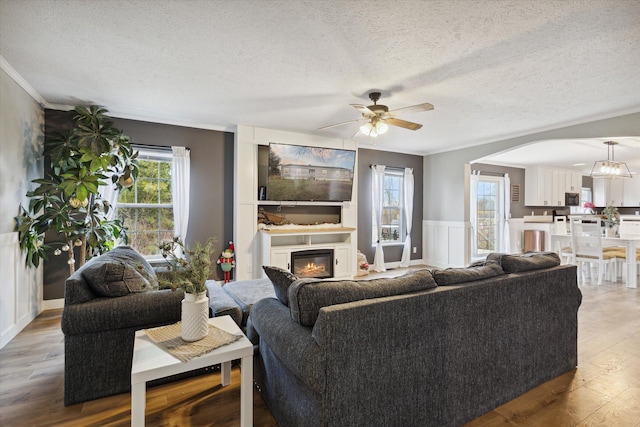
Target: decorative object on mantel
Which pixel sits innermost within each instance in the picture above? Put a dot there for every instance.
(588, 208)
(169, 339)
(611, 218)
(189, 270)
(226, 262)
(363, 264)
(265, 217)
(610, 168)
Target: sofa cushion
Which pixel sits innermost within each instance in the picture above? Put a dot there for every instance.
(281, 280)
(526, 262)
(308, 296)
(118, 272)
(451, 276)
(114, 278)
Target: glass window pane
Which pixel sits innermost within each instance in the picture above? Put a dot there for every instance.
(165, 191)
(147, 190)
(165, 170)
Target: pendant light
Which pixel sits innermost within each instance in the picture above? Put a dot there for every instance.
(609, 168)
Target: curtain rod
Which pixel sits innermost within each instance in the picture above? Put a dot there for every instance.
(487, 173)
(392, 168)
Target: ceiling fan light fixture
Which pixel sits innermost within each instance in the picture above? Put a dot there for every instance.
(610, 168)
(366, 128)
(382, 128)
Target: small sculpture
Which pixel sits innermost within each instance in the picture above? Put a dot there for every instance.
(226, 262)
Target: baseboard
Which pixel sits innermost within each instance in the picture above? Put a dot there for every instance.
(52, 304)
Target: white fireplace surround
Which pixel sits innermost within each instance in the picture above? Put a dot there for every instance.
(253, 248)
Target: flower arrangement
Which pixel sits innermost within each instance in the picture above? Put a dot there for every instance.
(611, 216)
(588, 205)
(189, 272)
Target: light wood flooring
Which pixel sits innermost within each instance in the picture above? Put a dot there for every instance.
(603, 391)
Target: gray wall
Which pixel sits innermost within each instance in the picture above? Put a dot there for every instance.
(211, 199)
(366, 158)
(444, 178)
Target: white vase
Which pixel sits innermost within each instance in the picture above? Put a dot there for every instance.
(611, 231)
(195, 316)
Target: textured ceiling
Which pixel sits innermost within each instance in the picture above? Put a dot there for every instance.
(492, 68)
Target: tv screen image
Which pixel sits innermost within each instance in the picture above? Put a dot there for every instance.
(314, 174)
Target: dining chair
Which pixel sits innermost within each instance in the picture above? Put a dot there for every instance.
(586, 246)
(560, 228)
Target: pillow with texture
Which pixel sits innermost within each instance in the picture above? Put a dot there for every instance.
(308, 296)
(526, 262)
(281, 280)
(110, 278)
(452, 276)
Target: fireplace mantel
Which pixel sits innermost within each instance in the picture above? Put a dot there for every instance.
(277, 245)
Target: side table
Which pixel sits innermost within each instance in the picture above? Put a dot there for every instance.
(150, 362)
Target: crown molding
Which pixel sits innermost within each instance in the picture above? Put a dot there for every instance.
(22, 82)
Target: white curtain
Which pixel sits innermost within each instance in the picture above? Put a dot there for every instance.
(109, 193)
(407, 206)
(506, 237)
(473, 211)
(378, 200)
(180, 177)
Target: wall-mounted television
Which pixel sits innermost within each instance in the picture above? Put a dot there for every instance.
(311, 174)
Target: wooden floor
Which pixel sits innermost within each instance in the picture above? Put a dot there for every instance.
(603, 391)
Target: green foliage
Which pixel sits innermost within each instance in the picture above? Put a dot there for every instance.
(67, 199)
(189, 272)
(611, 216)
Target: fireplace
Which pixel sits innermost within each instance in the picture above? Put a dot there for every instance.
(317, 263)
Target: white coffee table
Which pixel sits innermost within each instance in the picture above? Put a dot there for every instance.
(150, 362)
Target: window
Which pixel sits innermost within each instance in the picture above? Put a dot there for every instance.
(146, 208)
(489, 220)
(393, 231)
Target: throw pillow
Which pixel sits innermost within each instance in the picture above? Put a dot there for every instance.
(526, 262)
(114, 278)
(452, 276)
(281, 280)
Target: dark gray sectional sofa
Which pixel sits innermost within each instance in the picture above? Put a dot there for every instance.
(426, 349)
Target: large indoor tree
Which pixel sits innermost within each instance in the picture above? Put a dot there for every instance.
(68, 199)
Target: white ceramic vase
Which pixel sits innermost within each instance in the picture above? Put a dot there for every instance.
(611, 231)
(195, 316)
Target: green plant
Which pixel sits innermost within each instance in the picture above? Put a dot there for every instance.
(67, 199)
(189, 272)
(611, 216)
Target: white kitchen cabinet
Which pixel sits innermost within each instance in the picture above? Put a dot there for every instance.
(544, 186)
(574, 182)
(631, 192)
(538, 188)
(608, 192)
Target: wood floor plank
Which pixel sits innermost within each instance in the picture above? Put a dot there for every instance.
(603, 391)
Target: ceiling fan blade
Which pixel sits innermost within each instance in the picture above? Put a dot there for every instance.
(413, 109)
(403, 123)
(340, 124)
(363, 109)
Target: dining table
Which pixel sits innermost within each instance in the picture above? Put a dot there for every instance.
(630, 242)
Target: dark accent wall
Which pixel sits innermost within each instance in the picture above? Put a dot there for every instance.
(211, 198)
(366, 158)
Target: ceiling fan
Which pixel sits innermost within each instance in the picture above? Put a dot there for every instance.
(378, 117)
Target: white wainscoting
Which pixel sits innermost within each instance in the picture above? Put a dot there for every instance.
(445, 243)
(20, 289)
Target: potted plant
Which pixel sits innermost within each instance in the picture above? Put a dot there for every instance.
(611, 218)
(67, 201)
(188, 269)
